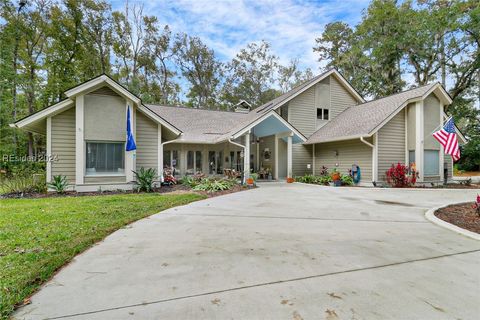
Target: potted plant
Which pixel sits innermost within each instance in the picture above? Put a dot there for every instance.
(290, 180)
(253, 178)
(336, 178)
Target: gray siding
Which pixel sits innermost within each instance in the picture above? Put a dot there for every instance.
(302, 115)
(431, 119)
(391, 144)
(147, 143)
(341, 99)
(302, 112)
(105, 118)
(349, 152)
(302, 157)
(63, 144)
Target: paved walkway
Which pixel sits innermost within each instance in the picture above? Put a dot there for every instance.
(278, 252)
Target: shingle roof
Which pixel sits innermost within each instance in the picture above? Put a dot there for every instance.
(199, 125)
(362, 119)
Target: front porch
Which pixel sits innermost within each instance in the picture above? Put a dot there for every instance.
(266, 142)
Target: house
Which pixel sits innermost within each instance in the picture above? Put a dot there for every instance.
(323, 122)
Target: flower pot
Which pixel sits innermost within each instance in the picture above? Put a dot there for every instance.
(337, 183)
(250, 181)
(290, 180)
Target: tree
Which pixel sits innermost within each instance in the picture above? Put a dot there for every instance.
(200, 68)
(291, 76)
(250, 75)
(97, 35)
(161, 49)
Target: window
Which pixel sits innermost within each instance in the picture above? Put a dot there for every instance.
(105, 158)
(198, 162)
(431, 163)
(215, 162)
(194, 162)
(322, 114)
(171, 161)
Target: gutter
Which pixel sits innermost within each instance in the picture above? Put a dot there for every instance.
(367, 143)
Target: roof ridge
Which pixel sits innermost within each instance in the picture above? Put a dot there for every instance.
(191, 108)
(395, 94)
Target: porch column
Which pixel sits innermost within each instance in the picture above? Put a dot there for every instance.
(160, 153)
(289, 156)
(79, 141)
(246, 157)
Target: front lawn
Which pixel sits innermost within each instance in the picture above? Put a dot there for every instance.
(38, 236)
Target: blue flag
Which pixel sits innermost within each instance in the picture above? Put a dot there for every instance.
(130, 141)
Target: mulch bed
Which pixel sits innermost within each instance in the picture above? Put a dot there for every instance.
(461, 215)
(178, 188)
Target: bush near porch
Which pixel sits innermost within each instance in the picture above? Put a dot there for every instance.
(38, 236)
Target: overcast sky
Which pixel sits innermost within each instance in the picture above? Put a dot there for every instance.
(290, 26)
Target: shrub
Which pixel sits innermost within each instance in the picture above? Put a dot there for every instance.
(192, 181)
(145, 179)
(59, 184)
(21, 184)
(398, 176)
(347, 180)
(308, 178)
(213, 185)
(324, 180)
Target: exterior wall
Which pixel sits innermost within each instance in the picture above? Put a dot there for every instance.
(323, 100)
(302, 114)
(147, 143)
(104, 121)
(349, 152)
(391, 144)
(282, 159)
(341, 99)
(104, 118)
(431, 106)
(63, 144)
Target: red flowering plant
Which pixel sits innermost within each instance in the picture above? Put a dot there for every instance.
(476, 205)
(401, 176)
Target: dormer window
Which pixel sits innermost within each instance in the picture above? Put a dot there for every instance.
(322, 114)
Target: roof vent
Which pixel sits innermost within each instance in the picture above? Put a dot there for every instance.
(242, 107)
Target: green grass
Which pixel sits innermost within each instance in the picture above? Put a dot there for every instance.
(38, 236)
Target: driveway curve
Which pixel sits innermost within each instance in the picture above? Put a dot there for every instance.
(282, 251)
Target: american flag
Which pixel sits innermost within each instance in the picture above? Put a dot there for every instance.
(447, 136)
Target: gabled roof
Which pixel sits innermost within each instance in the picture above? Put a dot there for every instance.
(35, 121)
(98, 82)
(287, 96)
(365, 119)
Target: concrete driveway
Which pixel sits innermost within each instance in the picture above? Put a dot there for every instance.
(278, 252)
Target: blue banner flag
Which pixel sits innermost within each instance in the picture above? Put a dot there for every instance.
(130, 141)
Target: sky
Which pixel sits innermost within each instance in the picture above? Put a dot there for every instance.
(290, 26)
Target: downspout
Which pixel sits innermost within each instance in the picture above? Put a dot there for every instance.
(374, 167)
